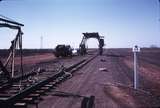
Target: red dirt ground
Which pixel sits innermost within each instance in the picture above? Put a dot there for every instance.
(149, 69)
(33, 59)
(113, 87)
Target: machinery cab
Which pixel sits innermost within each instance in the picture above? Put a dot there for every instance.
(63, 50)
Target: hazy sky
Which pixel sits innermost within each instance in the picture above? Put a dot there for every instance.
(124, 23)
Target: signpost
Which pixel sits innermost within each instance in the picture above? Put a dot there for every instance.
(135, 50)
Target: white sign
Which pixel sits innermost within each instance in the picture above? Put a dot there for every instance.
(136, 49)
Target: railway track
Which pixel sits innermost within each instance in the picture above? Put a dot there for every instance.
(20, 93)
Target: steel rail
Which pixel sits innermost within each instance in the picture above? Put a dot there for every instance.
(9, 101)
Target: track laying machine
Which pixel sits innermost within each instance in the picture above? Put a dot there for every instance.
(82, 47)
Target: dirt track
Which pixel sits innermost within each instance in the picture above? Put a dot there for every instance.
(112, 88)
(108, 77)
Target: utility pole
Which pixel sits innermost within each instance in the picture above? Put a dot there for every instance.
(158, 10)
(41, 42)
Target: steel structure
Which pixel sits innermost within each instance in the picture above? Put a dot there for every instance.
(82, 46)
(15, 43)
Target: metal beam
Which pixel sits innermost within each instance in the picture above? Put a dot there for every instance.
(11, 22)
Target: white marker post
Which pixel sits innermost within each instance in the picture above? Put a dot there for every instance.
(136, 49)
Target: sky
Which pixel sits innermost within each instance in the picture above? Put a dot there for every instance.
(123, 23)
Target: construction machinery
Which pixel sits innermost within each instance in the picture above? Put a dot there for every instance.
(63, 50)
(82, 47)
(16, 43)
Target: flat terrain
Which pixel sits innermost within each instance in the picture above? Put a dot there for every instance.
(109, 78)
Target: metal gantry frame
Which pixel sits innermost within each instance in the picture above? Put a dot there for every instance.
(86, 36)
(15, 43)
